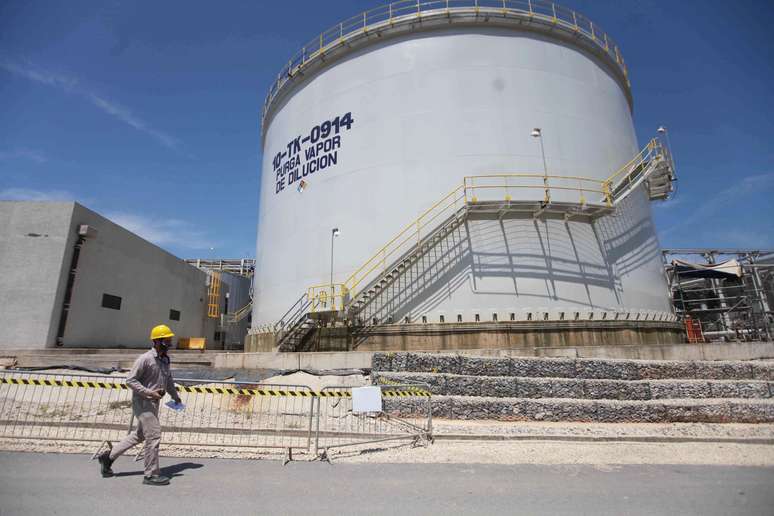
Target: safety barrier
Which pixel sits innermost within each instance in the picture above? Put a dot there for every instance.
(406, 415)
(328, 297)
(95, 408)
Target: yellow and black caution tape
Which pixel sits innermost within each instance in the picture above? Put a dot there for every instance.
(410, 391)
(63, 383)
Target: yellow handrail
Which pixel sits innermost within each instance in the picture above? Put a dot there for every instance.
(636, 160)
(386, 16)
(465, 193)
(327, 297)
(536, 175)
(406, 233)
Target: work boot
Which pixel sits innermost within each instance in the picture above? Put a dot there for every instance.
(156, 480)
(105, 464)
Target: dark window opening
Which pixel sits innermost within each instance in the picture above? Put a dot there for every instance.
(174, 315)
(109, 301)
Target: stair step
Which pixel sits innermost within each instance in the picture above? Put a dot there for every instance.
(525, 387)
(585, 368)
(602, 411)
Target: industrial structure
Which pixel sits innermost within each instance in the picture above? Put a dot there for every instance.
(229, 294)
(727, 295)
(75, 279)
(441, 174)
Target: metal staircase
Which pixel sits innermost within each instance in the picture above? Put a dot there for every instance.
(359, 301)
(653, 166)
(293, 338)
(239, 315)
(392, 274)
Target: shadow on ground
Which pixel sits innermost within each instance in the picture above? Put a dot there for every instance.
(175, 470)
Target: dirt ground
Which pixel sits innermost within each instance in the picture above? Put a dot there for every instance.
(601, 454)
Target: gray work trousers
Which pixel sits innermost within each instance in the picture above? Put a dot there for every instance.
(148, 429)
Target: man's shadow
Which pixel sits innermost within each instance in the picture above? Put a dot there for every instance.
(175, 470)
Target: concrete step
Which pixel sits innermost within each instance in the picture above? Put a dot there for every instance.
(121, 360)
(585, 368)
(598, 411)
(99, 351)
(578, 388)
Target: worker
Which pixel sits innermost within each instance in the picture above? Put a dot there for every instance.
(149, 378)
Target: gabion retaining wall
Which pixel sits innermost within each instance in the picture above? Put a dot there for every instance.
(524, 387)
(598, 411)
(585, 368)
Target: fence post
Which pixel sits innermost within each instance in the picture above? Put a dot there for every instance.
(311, 417)
(317, 430)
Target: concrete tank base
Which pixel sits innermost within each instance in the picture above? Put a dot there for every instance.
(489, 335)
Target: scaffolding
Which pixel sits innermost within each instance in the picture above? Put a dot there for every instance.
(724, 306)
(240, 267)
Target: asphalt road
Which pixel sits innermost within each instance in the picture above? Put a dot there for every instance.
(70, 484)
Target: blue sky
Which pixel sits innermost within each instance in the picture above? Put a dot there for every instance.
(148, 112)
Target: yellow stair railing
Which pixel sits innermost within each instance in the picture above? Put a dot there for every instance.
(408, 235)
(638, 169)
(327, 298)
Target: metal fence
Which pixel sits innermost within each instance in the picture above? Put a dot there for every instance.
(406, 415)
(57, 407)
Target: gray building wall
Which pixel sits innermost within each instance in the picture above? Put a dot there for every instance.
(149, 281)
(34, 237)
(238, 288)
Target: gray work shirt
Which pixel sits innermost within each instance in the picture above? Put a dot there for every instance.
(149, 373)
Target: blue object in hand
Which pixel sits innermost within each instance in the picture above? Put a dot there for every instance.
(174, 405)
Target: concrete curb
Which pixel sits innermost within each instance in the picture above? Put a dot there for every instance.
(602, 439)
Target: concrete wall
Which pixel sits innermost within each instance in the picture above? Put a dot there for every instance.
(491, 335)
(36, 247)
(149, 281)
(362, 359)
(34, 238)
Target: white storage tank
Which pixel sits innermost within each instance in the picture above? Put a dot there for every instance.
(379, 118)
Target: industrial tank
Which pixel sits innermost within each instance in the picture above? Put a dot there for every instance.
(376, 120)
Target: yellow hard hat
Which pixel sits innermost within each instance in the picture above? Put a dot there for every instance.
(161, 331)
